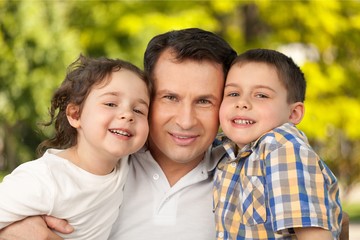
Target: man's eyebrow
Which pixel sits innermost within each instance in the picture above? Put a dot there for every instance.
(207, 96)
(166, 91)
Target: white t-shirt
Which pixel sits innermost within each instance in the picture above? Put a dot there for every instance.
(54, 186)
(152, 210)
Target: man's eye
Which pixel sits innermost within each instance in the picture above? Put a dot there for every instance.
(171, 98)
(204, 101)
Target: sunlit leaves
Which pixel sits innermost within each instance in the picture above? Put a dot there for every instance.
(39, 39)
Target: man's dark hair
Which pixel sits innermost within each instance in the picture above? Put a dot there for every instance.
(189, 44)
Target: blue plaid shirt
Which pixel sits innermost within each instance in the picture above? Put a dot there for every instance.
(273, 185)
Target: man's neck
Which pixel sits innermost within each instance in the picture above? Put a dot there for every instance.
(174, 171)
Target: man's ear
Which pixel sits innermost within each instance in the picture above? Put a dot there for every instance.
(297, 112)
(73, 115)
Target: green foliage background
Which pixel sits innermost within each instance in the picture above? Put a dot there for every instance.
(39, 39)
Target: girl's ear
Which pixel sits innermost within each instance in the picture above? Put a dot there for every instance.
(73, 115)
(297, 112)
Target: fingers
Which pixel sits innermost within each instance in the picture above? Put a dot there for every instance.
(57, 224)
(36, 228)
(30, 228)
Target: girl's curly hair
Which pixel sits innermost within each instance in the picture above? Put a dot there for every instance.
(81, 76)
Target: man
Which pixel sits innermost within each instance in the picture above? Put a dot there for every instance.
(168, 194)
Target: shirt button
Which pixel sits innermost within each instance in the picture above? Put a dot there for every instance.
(233, 164)
(222, 199)
(156, 176)
(221, 235)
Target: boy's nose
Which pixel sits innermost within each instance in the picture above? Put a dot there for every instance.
(243, 104)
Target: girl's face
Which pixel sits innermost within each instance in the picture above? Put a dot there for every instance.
(255, 101)
(113, 121)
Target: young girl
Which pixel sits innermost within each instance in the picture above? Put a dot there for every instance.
(100, 115)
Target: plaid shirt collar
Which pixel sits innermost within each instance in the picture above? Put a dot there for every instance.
(236, 154)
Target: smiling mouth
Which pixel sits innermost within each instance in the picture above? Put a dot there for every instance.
(183, 140)
(182, 137)
(243, 121)
(120, 132)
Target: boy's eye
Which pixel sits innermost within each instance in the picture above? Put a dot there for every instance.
(233, 94)
(261, 95)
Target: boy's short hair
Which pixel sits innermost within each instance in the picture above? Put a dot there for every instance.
(289, 73)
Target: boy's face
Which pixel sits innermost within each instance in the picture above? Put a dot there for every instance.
(255, 101)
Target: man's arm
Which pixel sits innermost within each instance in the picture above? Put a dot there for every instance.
(313, 233)
(35, 228)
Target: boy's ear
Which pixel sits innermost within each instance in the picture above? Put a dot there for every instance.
(297, 112)
(73, 115)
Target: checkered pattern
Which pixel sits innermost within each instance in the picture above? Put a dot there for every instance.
(273, 185)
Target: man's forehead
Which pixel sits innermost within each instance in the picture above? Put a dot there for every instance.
(169, 56)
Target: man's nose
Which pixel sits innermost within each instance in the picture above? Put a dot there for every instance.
(186, 116)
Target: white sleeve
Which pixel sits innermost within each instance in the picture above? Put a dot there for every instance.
(25, 192)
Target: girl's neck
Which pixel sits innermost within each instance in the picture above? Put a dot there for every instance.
(91, 164)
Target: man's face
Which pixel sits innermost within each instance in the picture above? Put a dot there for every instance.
(184, 111)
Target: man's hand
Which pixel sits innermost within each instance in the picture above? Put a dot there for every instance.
(312, 233)
(35, 228)
(57, 224)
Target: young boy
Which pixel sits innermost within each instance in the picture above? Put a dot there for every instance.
(272, 184)
(100, 116)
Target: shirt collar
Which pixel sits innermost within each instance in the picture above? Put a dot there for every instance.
(211, 158)
(234, 153)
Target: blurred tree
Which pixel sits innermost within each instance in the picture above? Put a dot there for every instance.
(39, 39)
(36, 45)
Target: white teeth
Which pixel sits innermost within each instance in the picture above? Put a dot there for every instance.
(242, 121)
(182, 137)
(119, 132)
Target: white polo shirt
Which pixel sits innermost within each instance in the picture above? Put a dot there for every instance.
(153, 210)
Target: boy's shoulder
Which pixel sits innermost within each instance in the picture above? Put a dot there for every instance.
(284, 133)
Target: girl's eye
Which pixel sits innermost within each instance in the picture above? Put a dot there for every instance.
(141, 111)
(138, 111)
(110, 104)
